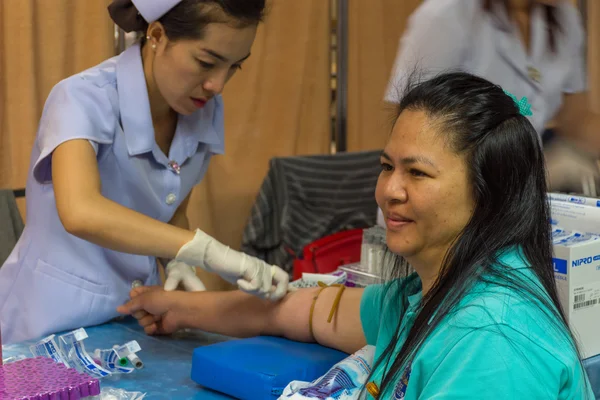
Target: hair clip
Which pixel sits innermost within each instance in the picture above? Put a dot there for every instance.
(523, 104)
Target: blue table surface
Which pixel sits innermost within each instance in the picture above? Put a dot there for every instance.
(592, 366)
(167, 361)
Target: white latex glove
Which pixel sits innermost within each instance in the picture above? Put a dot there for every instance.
(251, 274)
(178, 272)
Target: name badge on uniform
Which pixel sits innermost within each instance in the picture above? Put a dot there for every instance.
(534, 74)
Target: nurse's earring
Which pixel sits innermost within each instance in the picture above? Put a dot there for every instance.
(153, 44)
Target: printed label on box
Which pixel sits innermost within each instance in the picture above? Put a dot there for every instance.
(560, 266)
(586, 296)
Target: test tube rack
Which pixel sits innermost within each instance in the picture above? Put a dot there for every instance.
(41, 378)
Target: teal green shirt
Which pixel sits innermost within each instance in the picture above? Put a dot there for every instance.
(494, 345)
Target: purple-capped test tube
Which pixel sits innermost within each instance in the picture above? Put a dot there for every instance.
(42, 379)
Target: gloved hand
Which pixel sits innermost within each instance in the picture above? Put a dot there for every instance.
(251, 274)
(178, 272)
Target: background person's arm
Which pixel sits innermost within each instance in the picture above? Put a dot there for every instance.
(577, 123)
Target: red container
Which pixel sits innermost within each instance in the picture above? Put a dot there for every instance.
(327, 254)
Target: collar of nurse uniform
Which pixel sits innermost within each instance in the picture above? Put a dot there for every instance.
(205, 125)
(510, 48)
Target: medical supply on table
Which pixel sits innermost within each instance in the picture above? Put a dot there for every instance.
(380, 218)
(13, 359)
(576, 214)
(350, 275)
(358, 275)
(69, 350)
(576, 262)
(344, 381)
(109, 360)
(586, 201)
(135, 361)
(71, 345)
(42, 378)
(312, 280)
(261, 367)
(559, 234)
(120, 394)
(373, 249)
(127, 353)
(48, 347)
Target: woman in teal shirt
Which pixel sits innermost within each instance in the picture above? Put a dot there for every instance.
(463, 191)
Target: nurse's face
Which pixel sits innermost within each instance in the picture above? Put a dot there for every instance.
(188, 73)
(423, 190)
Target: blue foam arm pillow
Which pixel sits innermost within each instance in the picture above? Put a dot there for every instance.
(261, 367)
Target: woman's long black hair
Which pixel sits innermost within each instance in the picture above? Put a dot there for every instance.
(506, 167)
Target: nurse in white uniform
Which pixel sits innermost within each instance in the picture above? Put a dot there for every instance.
(119, 149)
(532, 48)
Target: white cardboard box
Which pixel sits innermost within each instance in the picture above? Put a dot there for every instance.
(576, 261)
(574, 213)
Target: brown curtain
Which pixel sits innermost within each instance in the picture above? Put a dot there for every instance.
(374, 31)
(375, 27)
(277, 105)
(41, 42)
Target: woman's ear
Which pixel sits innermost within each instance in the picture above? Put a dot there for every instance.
(156, 34)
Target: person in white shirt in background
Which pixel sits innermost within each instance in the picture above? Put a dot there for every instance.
(533, 49)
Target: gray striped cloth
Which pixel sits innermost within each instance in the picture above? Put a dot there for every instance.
(11, 224)
(305, 198)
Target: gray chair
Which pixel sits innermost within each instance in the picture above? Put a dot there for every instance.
(11, 223)
(305, 198)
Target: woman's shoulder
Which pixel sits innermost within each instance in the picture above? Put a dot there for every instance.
(519, 310)
(92, 92)
(82, 106)
(97, 83)
(569, 13)
(507, 292)
(498, 337)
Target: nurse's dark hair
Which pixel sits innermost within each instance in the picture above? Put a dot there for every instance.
(506, 172)
(189, 18)
(550, 13)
